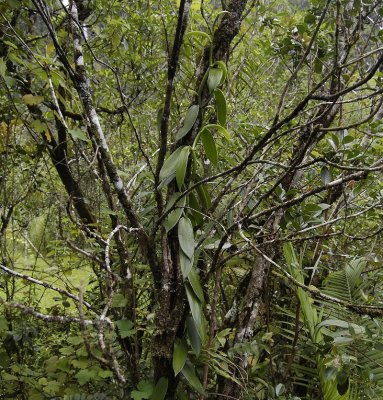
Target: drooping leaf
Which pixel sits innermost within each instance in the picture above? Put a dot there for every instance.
(174, 216)
(196, 285)
(220, 129)
(214, 78)
(198, 34)
(193, 335)
(3, 67)
(195, 208)
(182, 165)
(189, 373)
(189, 121)
(170, 165)
(204, 196)
(196, 311)
(186, 264)
(220, 102)
(179, 356)
(209, 146)
(159, 392)
(186, 236)
(222, 66)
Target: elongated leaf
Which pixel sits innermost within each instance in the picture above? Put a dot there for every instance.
(171, 163)
(223, 131)
(182, 165)
(189, 121)
(179, 356)
(174, 216)
(196, 311)
(186, 236)
(198, 34)
(221, 65)
(196, 209)
(196, 285)
(209, 146)
(159, 392)
(186, 264)
(204, 196)
(189, 373)
(214, 78)
(220, 102)
(193, 335)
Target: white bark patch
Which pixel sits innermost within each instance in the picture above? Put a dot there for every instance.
(94, 120)
(80, 61)
(118, 184)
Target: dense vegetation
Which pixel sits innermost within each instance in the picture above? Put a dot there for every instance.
(191, 199)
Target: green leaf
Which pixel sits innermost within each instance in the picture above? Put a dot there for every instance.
(31, 100)
(119, 300)
(182, 165)
(221, 65)
(125, 328)
(85, 375)
(77, 133)
(220, 102)
(195, 208)
(193, 335)
(214, 78)
(3, 67)
(204, 196)
(179, 356)
(209, 146)
(170, 165)
(196, 285)
(186, 264)
(186, 236)
(173, 217)
(189, 373)
(189, 121)
(160, 389)
(197, 34)
(196, 311)
(223, 131)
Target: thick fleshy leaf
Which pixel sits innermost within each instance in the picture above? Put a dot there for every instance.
(214, 78)
(159, 392)
(220, 102)
(197, 34)
(223, 131)
(196, 209)
(179, 356)
(209, 146)
(193, 335)
(204, 196)
(221, 65)
(189, 121)
(171, 163)
(189, 373)
(186, 236)
(182, 165)
(196, 311)
(196, 285)
(186, 264)
(174, 215)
